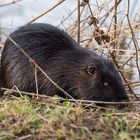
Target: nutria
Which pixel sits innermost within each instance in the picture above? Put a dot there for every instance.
(79, 71)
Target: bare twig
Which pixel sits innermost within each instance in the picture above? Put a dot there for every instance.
(133, 37)
(10, 3)
(44, 13)
(36, 81)
(79, 101)
(127, 60)
(78, 21)
(115, 19)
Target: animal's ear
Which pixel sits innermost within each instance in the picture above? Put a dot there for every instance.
(91, 69)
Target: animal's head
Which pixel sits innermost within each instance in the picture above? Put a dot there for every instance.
(92, 77)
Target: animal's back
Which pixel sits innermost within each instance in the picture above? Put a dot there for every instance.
(40, 42)
(41, 37)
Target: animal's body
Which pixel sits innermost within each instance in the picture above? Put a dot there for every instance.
(80, 72)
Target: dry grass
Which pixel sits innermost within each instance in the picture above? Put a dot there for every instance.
(24, 118)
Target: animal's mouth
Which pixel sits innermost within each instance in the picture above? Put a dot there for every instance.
(118, 104)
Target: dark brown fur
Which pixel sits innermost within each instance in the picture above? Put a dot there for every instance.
(82, 73)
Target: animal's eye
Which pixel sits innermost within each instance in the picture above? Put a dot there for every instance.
(91, 69)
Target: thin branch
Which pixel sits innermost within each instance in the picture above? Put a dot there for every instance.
(78, 21)
(115, 20)
(73, 100)
(44, 13)
(36, 81)
(10, 3)
(133, 37)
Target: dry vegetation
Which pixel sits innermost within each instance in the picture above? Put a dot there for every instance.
(108, 31)
(24, 118)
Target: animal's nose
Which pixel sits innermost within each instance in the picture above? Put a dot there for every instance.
(125, 98)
